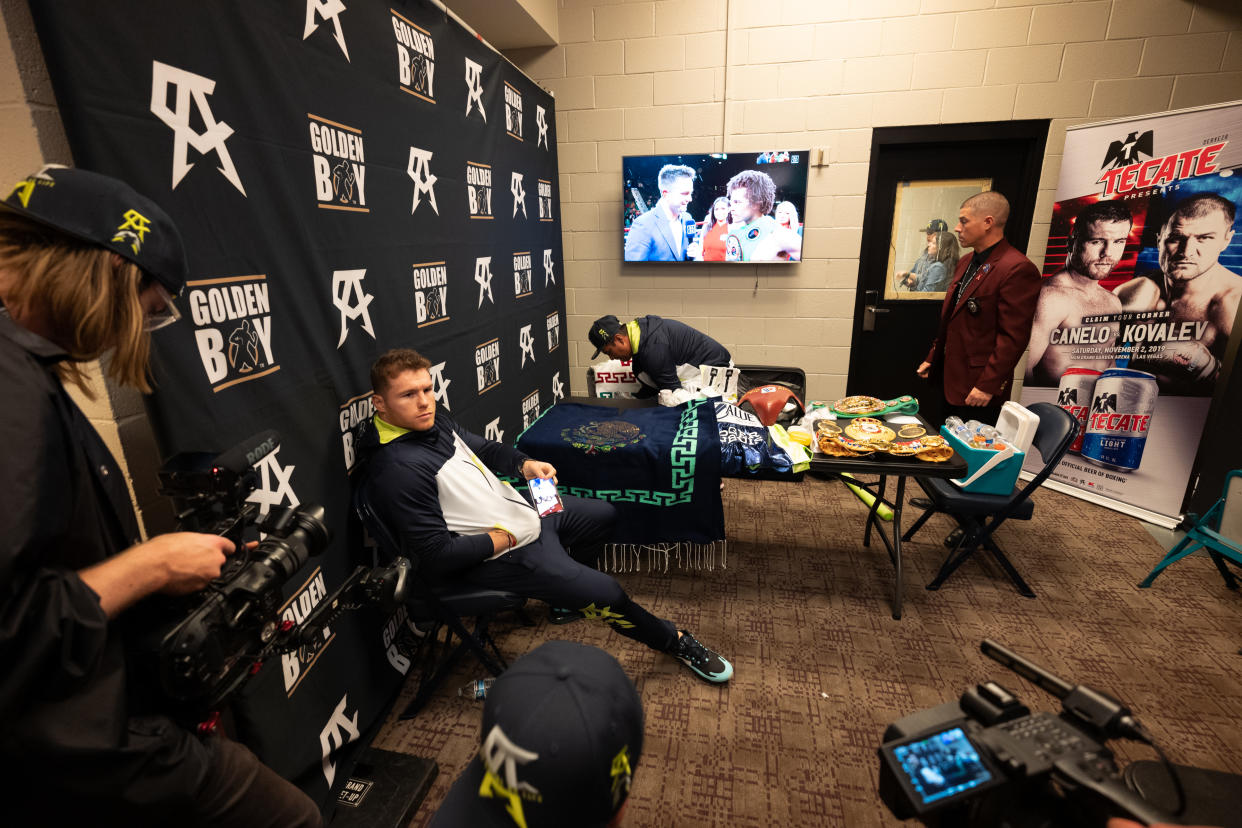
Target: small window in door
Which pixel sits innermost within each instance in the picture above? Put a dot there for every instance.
(923, 250)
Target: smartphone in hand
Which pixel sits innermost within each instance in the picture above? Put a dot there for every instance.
(543, 492)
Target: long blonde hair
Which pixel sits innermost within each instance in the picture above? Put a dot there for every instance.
(89, 305)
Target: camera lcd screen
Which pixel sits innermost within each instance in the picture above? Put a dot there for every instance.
(941, 766)
(543, 492)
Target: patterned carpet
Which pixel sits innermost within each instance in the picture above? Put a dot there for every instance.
(803, 611)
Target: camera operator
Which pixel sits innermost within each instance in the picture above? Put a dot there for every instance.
(89, 266)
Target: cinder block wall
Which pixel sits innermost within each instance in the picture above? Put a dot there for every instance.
(634, 78)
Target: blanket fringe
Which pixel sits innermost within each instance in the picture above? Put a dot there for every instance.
(628, 557)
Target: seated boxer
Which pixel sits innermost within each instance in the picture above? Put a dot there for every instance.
(434, 485)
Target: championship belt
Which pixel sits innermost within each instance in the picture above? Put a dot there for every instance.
(864, 406)
(866, 436)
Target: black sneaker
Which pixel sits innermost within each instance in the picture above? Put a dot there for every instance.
(560, 615)
(706, 664)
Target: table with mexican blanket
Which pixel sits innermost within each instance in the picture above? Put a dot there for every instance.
(659, 466)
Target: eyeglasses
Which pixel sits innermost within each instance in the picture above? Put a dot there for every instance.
(166, 315)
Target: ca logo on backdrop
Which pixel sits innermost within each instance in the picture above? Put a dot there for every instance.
(325, 10)
(419, 170)
(347, 284)
(190, 94)
(519, 194)
(541, 121)
(474, 89)
(340, 729)
(483, 275)
(493, 431)
(526, 341)
(232, 328)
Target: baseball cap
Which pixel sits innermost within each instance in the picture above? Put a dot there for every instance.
(602, 332)
(562, 734)
(108, 212)
(935, 226)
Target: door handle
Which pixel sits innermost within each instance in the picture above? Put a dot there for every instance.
(870, 309)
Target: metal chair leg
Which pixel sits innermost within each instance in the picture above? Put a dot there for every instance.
(1219, 560)
(918, 524)
(965, 548)
(991, 546)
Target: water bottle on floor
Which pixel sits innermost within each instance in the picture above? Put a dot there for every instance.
(476, 689)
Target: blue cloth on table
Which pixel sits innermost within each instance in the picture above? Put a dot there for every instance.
(659, 466)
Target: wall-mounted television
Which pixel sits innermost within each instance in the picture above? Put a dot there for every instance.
(722, 207)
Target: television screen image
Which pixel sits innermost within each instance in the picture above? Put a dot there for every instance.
(722, 207)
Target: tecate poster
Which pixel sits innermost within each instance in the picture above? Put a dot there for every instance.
(1142, 278)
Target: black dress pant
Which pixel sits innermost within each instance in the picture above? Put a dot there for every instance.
(545, 569)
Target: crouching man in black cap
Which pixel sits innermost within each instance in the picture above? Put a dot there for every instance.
(562, 734)
(664, 353)
(89, 266)
(434, 486)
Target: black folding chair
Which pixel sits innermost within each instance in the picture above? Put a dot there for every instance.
(980, 515)
(440, 605)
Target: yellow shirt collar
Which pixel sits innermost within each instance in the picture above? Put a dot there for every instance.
(632, 331)
(387, 431)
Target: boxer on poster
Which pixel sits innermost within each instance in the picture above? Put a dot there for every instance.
(1096, 245)
(1194, 287)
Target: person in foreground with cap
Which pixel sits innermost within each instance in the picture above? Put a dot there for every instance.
(434, 486)
(562, 735)
(87, 267)
(664, 353)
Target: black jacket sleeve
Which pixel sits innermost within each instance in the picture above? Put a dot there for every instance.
(52, 629)
(657, 362)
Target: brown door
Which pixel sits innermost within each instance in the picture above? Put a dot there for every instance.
(919, 177)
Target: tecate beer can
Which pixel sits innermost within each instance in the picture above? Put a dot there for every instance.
(1074, 395)
(1121, 408)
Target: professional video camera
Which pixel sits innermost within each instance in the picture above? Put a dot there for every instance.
(209, 643)
(988, 760)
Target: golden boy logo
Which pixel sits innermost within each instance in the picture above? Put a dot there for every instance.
(479, 190)
(232, 319)
(339, 165)
(416, 58)
(521, 274)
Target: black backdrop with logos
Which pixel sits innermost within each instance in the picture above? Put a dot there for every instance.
(347, 179)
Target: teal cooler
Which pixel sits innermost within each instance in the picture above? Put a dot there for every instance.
(997, 480)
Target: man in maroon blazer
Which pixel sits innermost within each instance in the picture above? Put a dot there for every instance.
(985, 323)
